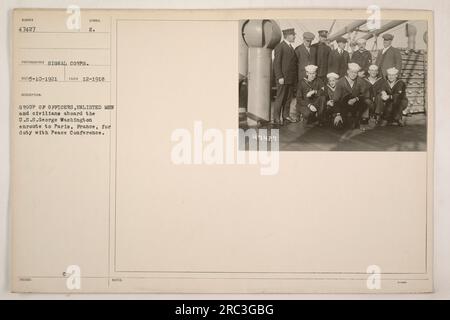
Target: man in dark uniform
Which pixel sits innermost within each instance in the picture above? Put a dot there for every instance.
(350, 98)
(305, 54)
(365, 112)
(376, 85)
(322, 52)
(285, 71)
(311, 97)
(389, 57)
(339, 58)
(394, 97)
(362, 56)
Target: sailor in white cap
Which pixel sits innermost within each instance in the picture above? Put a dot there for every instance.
(332, 75)
(354, 67)
(375, 84)
(350, 98)
(392, 72)
(329, 92)
(331, 85)
(311, 97)
(310, 70)
(394, 96)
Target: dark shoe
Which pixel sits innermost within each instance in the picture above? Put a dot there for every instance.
(274, 123)
(290, 119)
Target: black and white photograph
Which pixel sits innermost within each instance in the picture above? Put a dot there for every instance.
(334, 85)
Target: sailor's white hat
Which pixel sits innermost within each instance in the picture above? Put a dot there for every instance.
(354, 67)
(311, 68)
(392, 71)
(332, 75)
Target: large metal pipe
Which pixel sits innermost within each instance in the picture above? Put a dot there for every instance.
(386, 27)
(259, 68)
(261, 36)
(349, 28)
(243, 53)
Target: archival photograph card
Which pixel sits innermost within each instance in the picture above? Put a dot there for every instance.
(222, 151)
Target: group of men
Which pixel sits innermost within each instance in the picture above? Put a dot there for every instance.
(335, 88)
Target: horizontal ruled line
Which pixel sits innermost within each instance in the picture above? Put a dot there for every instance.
(66, 48)
(61, 65)
(218, 278)
(83, 32)
(41, 82)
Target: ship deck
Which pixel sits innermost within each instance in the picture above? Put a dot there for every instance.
(300, 137)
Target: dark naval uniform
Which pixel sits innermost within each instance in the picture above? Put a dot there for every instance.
(376, 105)
(344, 92)
(329, 93)
(329, 96)
(284, 66)
(305, 58)
(338, 62)
(366, 102)
(397, 102)
(363, 59)
(316, 98)
(391, 58)
(322, 52)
